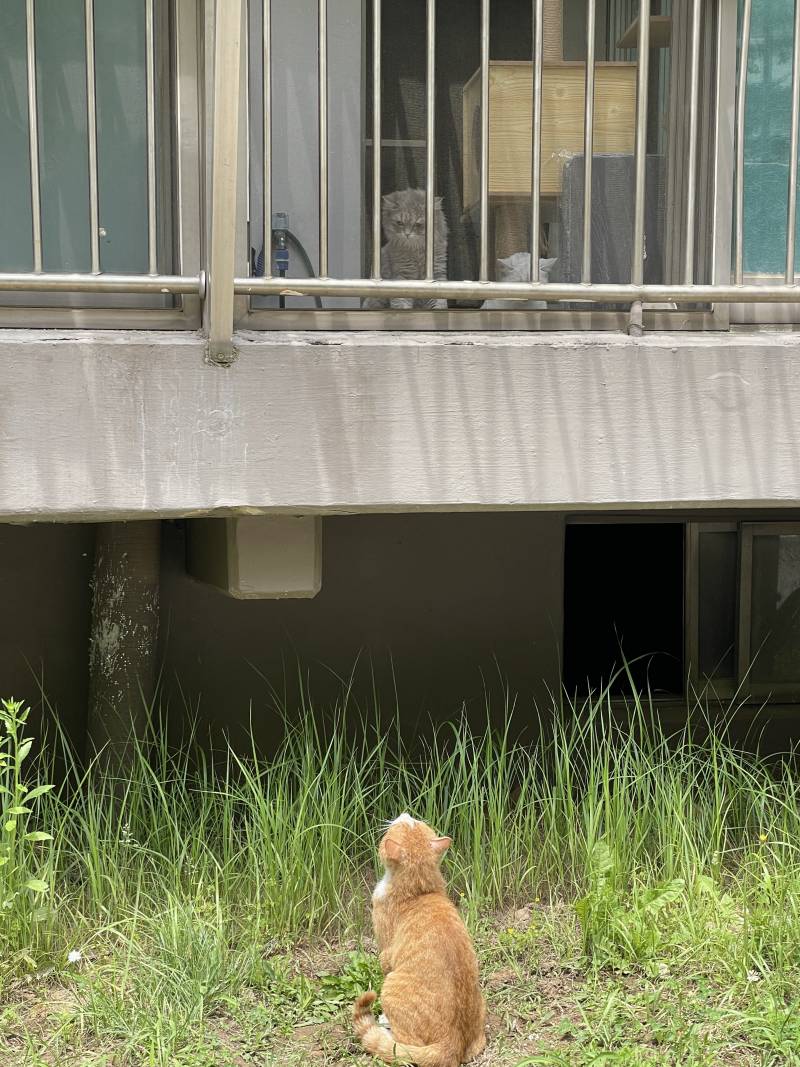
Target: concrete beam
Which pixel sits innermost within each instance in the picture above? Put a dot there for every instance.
(135, 425)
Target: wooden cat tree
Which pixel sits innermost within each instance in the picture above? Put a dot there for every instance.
(510, 118)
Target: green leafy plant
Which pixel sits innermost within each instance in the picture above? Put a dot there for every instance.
(22, 862)
(619, 928)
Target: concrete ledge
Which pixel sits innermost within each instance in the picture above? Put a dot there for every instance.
(131, 425)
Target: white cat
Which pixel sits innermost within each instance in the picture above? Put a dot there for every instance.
(517, 268)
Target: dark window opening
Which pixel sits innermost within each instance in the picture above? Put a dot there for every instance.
(623, 597)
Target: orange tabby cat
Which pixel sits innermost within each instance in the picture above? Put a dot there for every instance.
(433, 1004)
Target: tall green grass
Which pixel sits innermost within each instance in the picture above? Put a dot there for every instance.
(176, 882)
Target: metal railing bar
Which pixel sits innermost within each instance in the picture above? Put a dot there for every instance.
(791, 204)
(691, 165)
(640, 158)
(323, 137)
(152, 238)
(741, 97)
(376, 137)
(33, 136)
(430, 134)
(266, 104)
(549, 291)
(588, 141)
(91, 125)
(484, 157)
(536, 134)
(224, 166)
(188, 285)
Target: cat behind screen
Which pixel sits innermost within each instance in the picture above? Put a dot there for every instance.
(403, 255)
(435, 1012)
(517, 268)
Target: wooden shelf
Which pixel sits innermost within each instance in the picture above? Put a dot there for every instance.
(510, 107)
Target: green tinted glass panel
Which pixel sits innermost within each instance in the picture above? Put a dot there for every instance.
(120, 57)
(775, 609)
(63, 140)
(122, 134)
(718, 552)
(16, 238)
(767, 132)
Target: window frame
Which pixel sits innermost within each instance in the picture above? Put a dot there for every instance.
(714, 215)
(725, 688)
(739, 688)
(748, 531)
(181, 153)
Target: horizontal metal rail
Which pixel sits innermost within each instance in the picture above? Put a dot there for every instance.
(549, 291)
(186, 285)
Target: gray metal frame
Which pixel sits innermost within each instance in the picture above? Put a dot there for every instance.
(91, 300)
(700, 307)
(721, 687)
(748, 532)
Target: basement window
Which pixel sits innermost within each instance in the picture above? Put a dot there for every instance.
(623, 603)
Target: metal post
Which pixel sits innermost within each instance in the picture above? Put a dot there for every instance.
(484, 206)
(266, 88)
(588, 142)
(376, 138)
(91, 123)
(694, 108)
(640, 163)
(536, 136)
(323, 138)
(152, 238)
(33, 136)
(741, 96)
(791, 204)
(430, 135)
(227, 57)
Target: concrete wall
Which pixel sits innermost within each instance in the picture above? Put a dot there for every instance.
(438, 605)
(137, 425)
(44, 624)
(430, 599)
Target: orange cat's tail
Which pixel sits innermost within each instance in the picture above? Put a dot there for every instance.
(380, 1043)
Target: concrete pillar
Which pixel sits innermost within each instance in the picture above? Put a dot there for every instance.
(123, 639)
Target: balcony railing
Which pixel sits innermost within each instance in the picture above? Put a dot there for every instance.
(271, 82)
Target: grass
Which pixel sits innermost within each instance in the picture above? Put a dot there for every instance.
(634, 898)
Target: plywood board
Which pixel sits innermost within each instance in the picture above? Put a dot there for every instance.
(510, 114)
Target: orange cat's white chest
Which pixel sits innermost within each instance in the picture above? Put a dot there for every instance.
(382, 888)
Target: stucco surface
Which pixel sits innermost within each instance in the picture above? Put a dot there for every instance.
(97, 425)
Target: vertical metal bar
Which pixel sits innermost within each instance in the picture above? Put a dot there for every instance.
(323, 138)
(224, 189)
(33, 137)
(536, 137)
(430, 134)
(484, 205)
(640, 171)
(791, 203)
(266, 104)
(152, 240)
(691, 168)
(741, 96)
(588, 142)
(91, 121)
(376, 138)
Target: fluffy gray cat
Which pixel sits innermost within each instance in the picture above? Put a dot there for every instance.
(517, 268)
(403, 255)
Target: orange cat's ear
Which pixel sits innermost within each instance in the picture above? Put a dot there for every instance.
(392, 850)
(440, 845)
